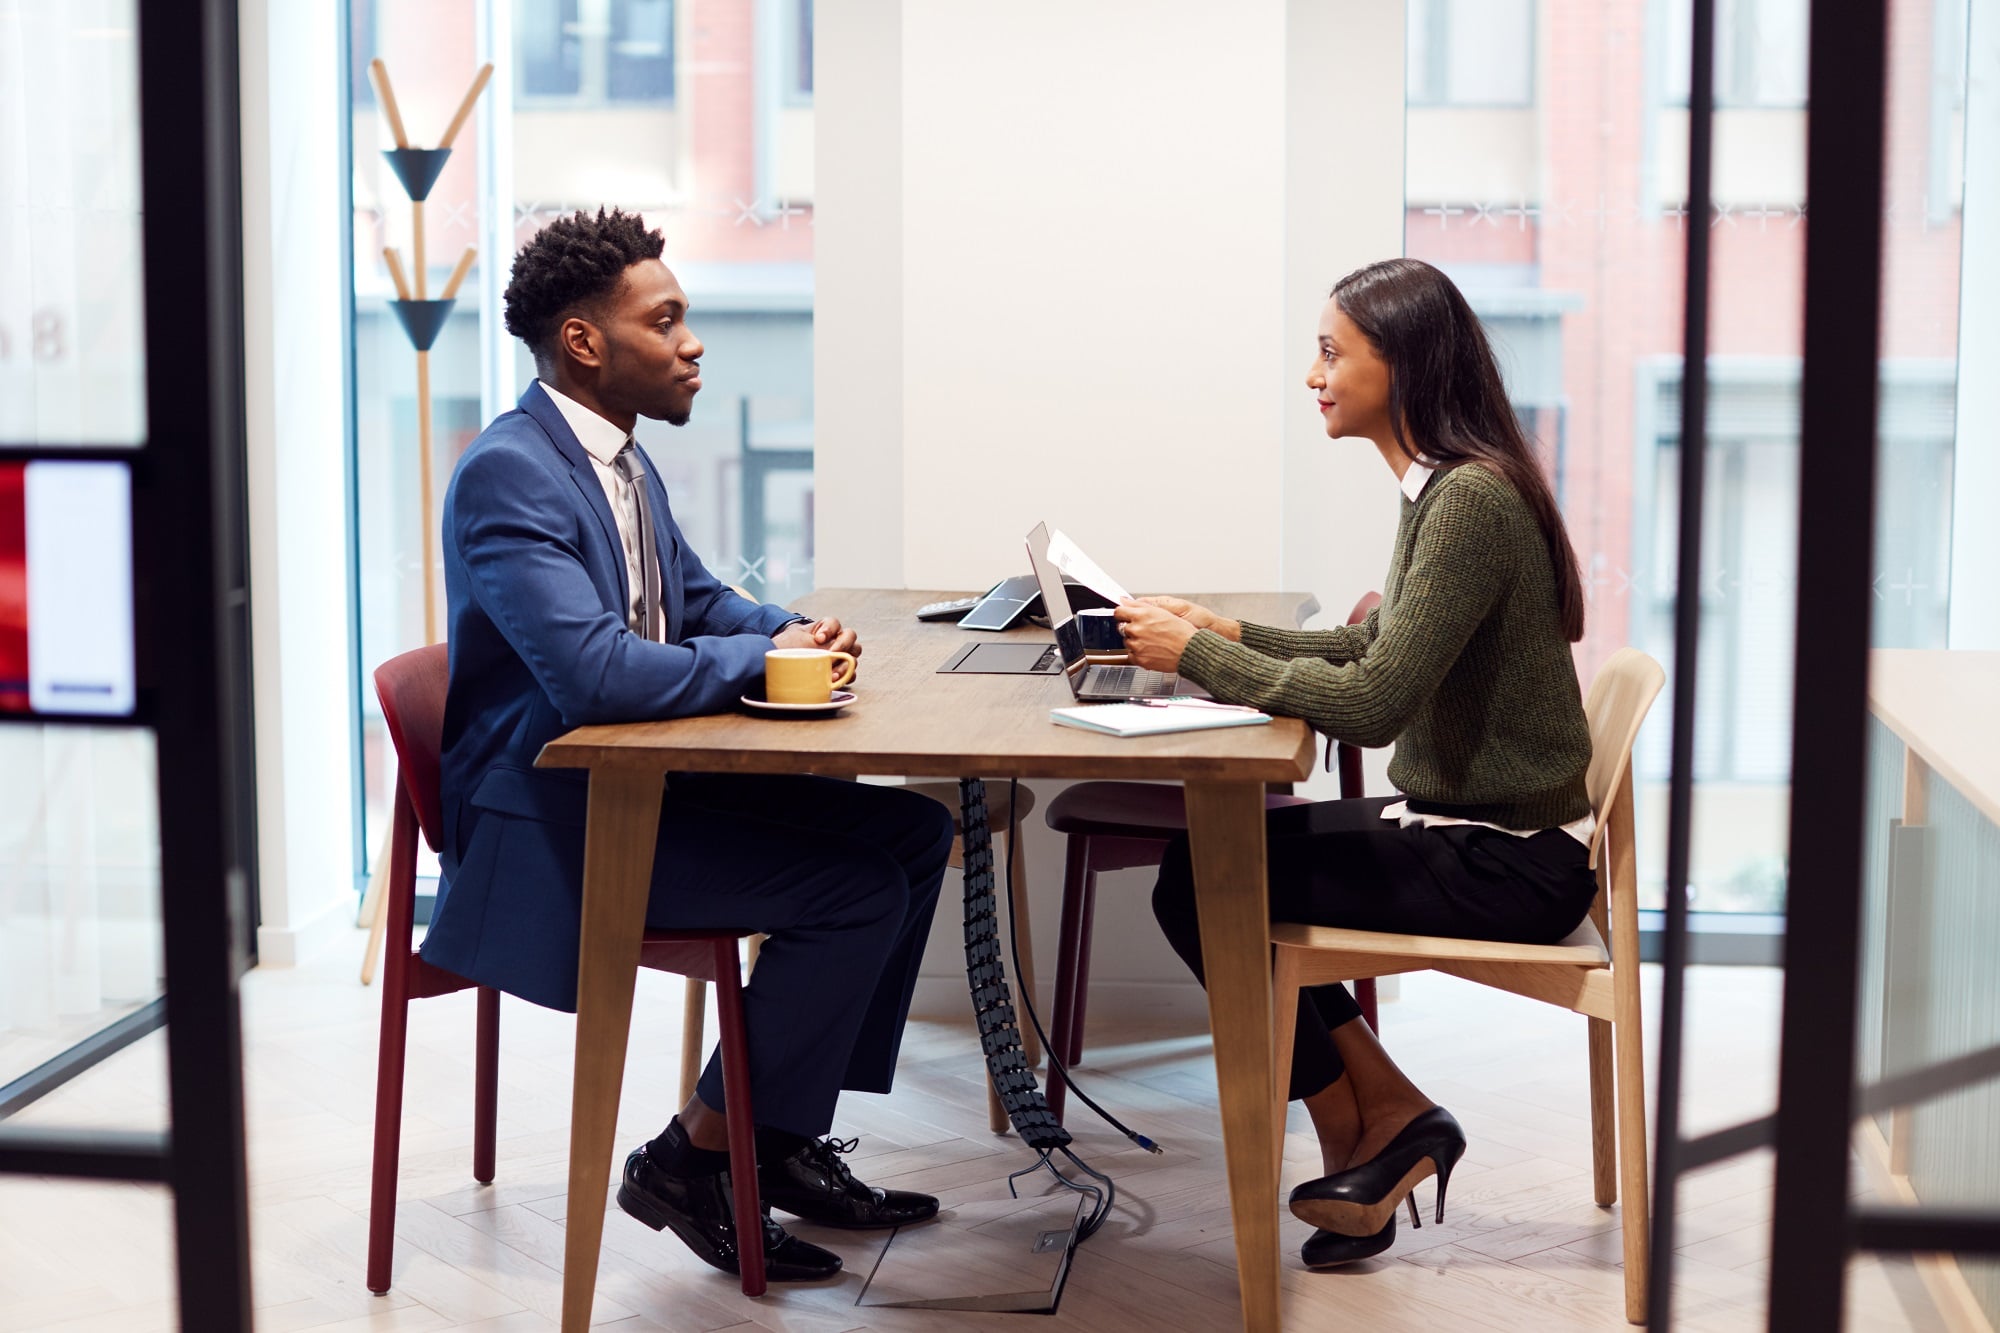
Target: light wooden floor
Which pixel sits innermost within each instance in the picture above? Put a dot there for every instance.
(1522, 1248)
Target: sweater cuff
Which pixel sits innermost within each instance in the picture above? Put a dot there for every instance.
(1217, 665)
(1266, 640)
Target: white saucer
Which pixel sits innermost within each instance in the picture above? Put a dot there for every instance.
(840, 699)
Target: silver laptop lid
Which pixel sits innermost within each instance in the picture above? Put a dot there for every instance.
(1055, 599)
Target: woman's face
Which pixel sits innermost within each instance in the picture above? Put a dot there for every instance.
(1348, 379)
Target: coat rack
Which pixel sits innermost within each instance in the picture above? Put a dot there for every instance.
(423, 319)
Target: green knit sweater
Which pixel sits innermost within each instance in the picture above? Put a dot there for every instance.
(1463, 666)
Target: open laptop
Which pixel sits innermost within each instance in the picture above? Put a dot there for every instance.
(1094, 682)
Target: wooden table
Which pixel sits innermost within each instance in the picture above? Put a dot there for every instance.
(1945, 708)
(910, 721)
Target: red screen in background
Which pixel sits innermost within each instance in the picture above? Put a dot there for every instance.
(13, 588)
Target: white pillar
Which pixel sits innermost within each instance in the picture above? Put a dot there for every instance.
(294, 350)
(858, 294)
(1069, 259)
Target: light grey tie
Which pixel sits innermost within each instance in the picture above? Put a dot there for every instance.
(634, 473)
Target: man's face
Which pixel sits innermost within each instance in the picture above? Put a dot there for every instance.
(651, 362)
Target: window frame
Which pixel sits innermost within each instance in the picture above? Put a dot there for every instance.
(594, 71)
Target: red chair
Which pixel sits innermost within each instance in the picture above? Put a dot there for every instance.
(412, 690)
(1119, 826)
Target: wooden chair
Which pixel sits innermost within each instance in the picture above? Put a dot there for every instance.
(1118, 826)
(1000, 817)
(1581, 973)
(412, 690)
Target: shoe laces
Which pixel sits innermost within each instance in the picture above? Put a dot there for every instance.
(827, 1152)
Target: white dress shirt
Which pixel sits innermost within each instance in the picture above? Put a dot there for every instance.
(1413, 485)
(603, 441)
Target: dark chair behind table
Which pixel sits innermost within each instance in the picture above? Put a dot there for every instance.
(1120, 826)
(412, 690)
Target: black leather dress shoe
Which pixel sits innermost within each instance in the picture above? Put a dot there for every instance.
(1330, 1249)
(701, 1212)
(815, 1184)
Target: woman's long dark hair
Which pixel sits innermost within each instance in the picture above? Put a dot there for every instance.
(1447, 402)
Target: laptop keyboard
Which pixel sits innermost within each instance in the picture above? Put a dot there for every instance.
(1131, 681)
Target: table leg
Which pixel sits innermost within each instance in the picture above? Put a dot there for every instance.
(624, 822)
(1226, 835)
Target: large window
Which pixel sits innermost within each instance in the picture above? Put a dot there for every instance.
(596, 51)
(698, 119)
(1471, 52)
(80, 933)
(1760, 52)
(1564, 220)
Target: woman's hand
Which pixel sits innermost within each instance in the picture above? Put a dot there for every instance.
(1154, 636)
(1199, 616)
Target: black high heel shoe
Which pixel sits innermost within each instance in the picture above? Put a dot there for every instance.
(1330, 1249)
(1362, 1199)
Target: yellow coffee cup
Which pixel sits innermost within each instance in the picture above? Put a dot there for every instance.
(804, 675)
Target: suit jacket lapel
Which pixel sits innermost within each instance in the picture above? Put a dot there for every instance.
(582, 474)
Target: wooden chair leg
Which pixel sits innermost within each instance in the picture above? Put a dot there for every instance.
(1629, 1049)
(1364, 995)
(1637, 1211)
(1074, 1055)
(391, 1051)
(377, 919)
(1603, 1115)
(486, 1086)
(1076, 860)
(1285, 1023)
(694, 1015)
(996, 1114)
(388, 1131)
(739, 1115)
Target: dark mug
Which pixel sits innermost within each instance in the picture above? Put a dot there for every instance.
(1098, 628)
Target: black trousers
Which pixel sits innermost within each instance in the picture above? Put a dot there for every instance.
(843, 878)
(1339, 863)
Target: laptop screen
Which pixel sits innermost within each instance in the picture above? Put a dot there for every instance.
(1055, 598)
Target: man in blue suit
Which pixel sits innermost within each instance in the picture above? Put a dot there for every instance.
(574, 599)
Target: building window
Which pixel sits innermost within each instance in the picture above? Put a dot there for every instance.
(1471, 53)
(596, 51)
(799, 51)
(1760, 52)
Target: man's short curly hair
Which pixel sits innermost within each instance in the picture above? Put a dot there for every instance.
(572, 265)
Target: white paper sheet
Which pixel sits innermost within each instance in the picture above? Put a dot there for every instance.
(1067, 556)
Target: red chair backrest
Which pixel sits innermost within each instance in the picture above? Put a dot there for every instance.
(412, 688)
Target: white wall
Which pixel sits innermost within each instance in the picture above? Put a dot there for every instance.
(858, 295)
(1069, 262)
(292, 100)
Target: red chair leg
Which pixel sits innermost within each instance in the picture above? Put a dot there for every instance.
(1074, 1055)
(393, 1044)
(1076, 858)
(1364, 995)
(739, 1116)
(486, 1085)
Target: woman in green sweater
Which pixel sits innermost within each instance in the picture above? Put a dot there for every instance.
(1465, 667)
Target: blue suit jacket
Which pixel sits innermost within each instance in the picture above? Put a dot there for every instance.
(535, 584)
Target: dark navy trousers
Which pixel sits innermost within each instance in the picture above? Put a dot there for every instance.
(1339, 863)
(843, 878)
